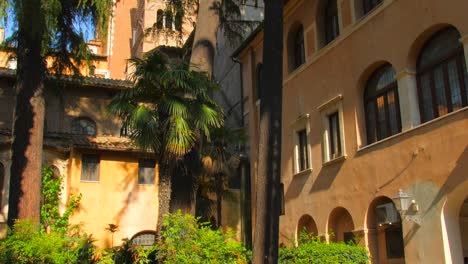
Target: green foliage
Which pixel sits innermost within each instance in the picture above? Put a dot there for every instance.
(27, 245)
(312, 250)
(184, 240)
(57, 242)
(59, 21)
(128, 254)
(51, 191)
(230, 20)
(169, 107)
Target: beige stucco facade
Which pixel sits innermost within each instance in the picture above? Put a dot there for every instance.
(116, 197)
(426, 160)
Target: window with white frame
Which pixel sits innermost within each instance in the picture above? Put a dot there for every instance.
(301, 144)
(331, 114)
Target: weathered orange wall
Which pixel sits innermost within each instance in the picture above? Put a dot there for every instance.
(116, 199)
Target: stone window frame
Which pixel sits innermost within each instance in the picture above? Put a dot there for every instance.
(301, 124)
(335, 105)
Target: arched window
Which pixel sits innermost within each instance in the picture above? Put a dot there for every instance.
(381, 105)
(258, 82)
(83, 126)
(2, 179)
(169, 19)
(144, 239)
(178, 21)
(442, 82)
(368, 5)
(159, 19)
(331, 22)
(299, 49)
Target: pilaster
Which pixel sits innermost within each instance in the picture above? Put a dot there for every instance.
(408, 98)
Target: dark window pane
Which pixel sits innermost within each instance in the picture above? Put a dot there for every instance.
(299, 50)
(303, 158)
(335, 138)
(425, 83)
(440, 61)
(178, 21)
(168, 19)
(441, 99)
(382, 111)
(380, 80)
(146, 171)
(381, 118)
(439, 47)
(368, 5)
(332, 28)
(83, 126)
(454, 83)
(159, 19)
(90, 167)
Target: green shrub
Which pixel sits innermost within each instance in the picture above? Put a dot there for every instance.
(56, 241)
(312, 250)
(25, 244)
(184, 240)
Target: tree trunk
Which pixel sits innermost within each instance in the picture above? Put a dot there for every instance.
(219, 198)
(164, 194)
(28, 124)
(269, 164)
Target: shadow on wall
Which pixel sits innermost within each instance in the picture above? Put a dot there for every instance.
(326, 177)
(202, 55)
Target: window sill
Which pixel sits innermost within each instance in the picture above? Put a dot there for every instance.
(145, 184)
(334, 161)
(304, 172)
(89, 181)
(428, 123)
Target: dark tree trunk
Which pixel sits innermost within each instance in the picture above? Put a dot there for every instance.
(219, 198)
(269, 166)
(28, 124)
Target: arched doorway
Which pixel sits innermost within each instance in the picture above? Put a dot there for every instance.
(306, 224)
(385, 233)
(464, 229)
(340, 225)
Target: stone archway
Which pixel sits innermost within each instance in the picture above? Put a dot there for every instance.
(306, 224)
(384, 232)
(340, 225)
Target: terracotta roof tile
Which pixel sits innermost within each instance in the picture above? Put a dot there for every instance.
(64, 141)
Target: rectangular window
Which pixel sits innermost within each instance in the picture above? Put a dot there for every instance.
(146, 171)
(90, 167)
(335, 137)
(303, 153)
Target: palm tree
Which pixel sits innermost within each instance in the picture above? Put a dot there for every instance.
(45, 29)
(168, 111)
(220, 164)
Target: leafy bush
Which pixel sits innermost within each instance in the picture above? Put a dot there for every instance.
(184, 240)
(56, 241)
(25, 244)
(312, 250)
